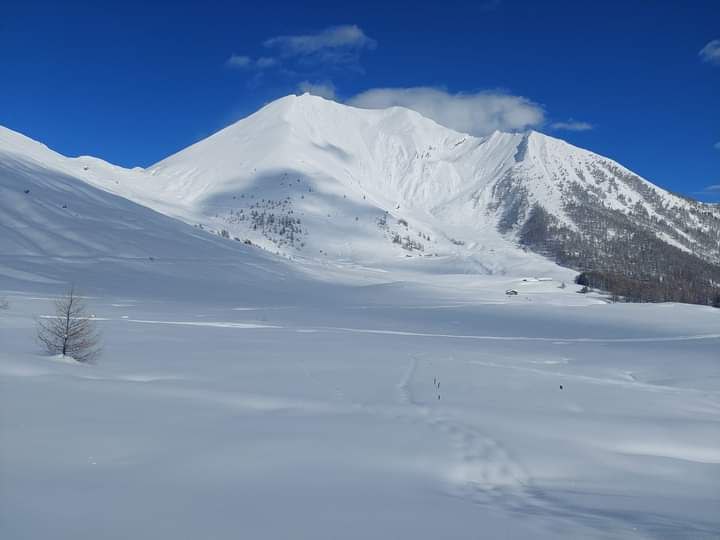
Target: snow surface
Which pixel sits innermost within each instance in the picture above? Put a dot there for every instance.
(241, 419)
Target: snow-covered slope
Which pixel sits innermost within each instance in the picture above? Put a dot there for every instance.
(50, 212)
(57, 228)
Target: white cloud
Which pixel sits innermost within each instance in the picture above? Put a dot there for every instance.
(572, 125)
(335, 46)
(239, 61)
(348, 36)
(324, 89)
(714, 188)
(478, 114)
(711, 52)
(716, 146)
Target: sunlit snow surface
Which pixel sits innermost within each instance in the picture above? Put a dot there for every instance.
(249, 419)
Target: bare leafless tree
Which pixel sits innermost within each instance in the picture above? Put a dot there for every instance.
(71, 331)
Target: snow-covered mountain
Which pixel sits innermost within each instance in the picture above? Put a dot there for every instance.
(313, 179)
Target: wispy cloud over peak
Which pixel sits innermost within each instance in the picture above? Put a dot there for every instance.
(478, 114)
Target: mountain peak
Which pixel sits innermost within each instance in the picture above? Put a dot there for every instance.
(309, 177)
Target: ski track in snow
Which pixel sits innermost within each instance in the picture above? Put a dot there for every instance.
(555, 340)
(486, 473)
(483, 471)
(404, 389)
(236, 325)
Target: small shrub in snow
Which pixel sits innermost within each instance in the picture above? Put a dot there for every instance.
(4, 304)
(71, 332)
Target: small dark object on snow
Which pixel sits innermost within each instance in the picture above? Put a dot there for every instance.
(26, 191)
(561, 387)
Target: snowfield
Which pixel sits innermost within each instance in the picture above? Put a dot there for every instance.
(402, 412)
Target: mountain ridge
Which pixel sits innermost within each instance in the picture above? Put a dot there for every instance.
(312, 179)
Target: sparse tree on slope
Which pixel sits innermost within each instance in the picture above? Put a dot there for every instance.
(71, 331)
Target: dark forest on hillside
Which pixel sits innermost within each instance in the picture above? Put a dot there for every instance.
(627, 261)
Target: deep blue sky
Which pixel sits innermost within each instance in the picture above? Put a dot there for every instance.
(133, 83)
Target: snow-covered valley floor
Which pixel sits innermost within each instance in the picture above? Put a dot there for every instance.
(352, 419)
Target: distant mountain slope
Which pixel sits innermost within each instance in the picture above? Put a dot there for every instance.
(56, 228)
(305, 172)
(312, 179)
(46, 211)
(399, 161)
